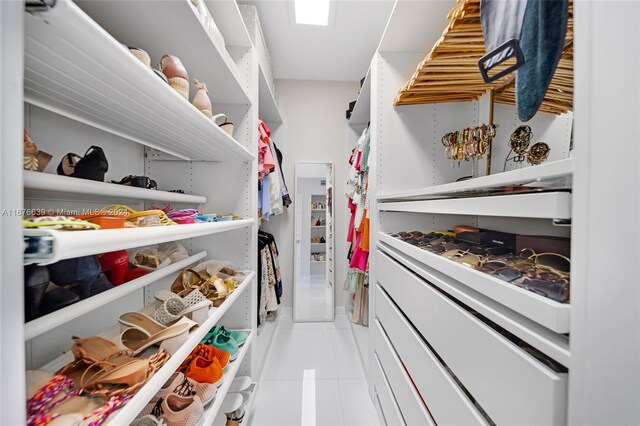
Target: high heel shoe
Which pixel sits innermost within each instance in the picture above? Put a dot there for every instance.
(114, 266)
(176, 74)
(201, 99)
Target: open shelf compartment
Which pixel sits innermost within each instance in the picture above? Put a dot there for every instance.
(546, 312)
(129, 412)
(55, 319)
(553, 175)
(48, 186)
(73, 67)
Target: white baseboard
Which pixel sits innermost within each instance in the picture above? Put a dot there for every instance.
(286, 311)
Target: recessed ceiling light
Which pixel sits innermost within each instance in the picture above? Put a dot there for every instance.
(312, 12)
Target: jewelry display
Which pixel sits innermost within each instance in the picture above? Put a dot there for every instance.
(468, 144)
(519, 145)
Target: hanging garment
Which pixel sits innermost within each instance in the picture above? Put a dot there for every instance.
(544, 29)
(286, 199)
(275, 190)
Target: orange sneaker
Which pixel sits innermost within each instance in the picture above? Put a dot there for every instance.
(204, 370)
(209, 353)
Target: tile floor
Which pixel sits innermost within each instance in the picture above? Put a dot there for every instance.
(313, 377)
(313, 298)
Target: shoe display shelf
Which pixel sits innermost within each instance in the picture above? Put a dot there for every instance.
(49, 186)
(67, 245)
(211, 411)
(75, 68)
(55, 319)
(129, 412)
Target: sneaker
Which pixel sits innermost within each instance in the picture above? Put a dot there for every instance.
(204, 371)
(224, 341)
(180, 385)
(177, 410)
(239, 336)
(208, 353)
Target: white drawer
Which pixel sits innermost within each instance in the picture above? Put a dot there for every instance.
(390, 411)
(446, 402)
(408, 398)
(510, 385)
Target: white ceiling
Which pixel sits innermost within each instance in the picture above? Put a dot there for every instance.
(341, 51)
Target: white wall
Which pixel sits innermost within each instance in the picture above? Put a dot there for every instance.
(315, 131)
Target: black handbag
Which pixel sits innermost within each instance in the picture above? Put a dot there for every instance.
(92, 166)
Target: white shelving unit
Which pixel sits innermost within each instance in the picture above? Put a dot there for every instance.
(142, 397)
(82, 87)
(411, 290)
(269, 111)
(113, 91)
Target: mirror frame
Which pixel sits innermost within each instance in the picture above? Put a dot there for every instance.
(297, 244)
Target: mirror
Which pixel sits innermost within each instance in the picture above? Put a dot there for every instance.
(313, 279)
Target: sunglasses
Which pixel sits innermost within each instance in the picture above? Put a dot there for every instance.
(553, 262)
(554, 290)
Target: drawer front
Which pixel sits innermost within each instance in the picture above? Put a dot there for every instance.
(446, 402)
(390, 411)
(510, 385)
(409, 401)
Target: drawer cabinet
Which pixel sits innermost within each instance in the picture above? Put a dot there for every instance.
(409, 401)
(509, 384)
(446, 402)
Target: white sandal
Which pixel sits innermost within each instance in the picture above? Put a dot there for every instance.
(195, 305)
(169, 339)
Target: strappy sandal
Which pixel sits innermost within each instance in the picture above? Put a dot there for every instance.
(112, 380)
(176, 74)
(89, 351)
(170, 339)
(211, 286)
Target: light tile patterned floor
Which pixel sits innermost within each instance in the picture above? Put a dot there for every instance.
(313, 377)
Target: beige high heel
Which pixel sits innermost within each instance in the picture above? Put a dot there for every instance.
(176, 74)
(201, 99)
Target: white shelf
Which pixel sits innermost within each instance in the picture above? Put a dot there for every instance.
(70, 244)
(55, 319)
(548, 175)
(268, 106)
(144, 395)
(361, 113)
(73, 67)
(211, 411)
(53, 187)
(318, 261)
(319, 226)
(229, 20)
(318, 210)
(543, 205)
(546, 312)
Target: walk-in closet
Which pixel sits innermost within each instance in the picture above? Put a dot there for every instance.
(319, 212)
